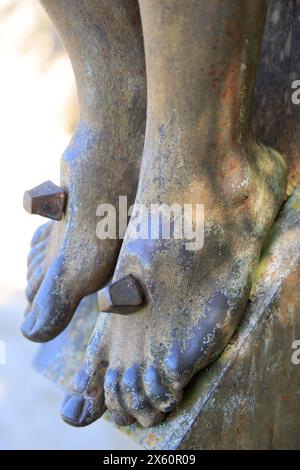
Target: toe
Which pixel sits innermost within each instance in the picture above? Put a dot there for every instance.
(160, 396)
(85, 403)
(35, 252)
(34, 283)
(29, 320)
(77, 410)
(41, 233)
(53, 305)
(36, 262)
(113, 399)
(135, 400)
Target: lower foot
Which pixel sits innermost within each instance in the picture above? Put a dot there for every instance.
(199, 149)
(137, 365)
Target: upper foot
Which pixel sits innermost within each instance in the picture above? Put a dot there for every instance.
(67, 261)
(101, 162)
(137, 365)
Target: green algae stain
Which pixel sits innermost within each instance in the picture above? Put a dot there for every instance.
(296, 204)
(266, 253)
(260, 270)
(295, 199)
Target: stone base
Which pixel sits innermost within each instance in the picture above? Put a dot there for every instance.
(250, 397)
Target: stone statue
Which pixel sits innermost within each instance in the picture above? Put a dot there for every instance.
(165, 312)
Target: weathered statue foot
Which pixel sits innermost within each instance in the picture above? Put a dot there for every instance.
(138, 364)
(100, 164)
(69, 261)
(199, 149)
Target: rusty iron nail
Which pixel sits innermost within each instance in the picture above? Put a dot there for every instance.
(123, 296)
(47, 200)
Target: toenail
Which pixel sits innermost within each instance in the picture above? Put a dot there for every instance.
(28, 324)
(71, 409)
(123, 296)
(34, 330)
(47, 200)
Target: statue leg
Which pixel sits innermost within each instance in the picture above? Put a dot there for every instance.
(67, 260)
(201, 60)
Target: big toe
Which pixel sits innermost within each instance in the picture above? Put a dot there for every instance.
(84, 403)
(34, 283)
(76, 410)
(53, 305)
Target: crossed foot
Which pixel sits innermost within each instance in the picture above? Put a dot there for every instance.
(137, 365)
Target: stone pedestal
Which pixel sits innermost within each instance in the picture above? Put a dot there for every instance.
(250, 397)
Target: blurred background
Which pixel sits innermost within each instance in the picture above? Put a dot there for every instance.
(38, 112)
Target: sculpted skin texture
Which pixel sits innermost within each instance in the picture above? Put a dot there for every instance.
(199, 148)
(201, 61)
(67, 260)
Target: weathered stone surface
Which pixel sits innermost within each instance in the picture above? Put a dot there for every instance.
(249, 397)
